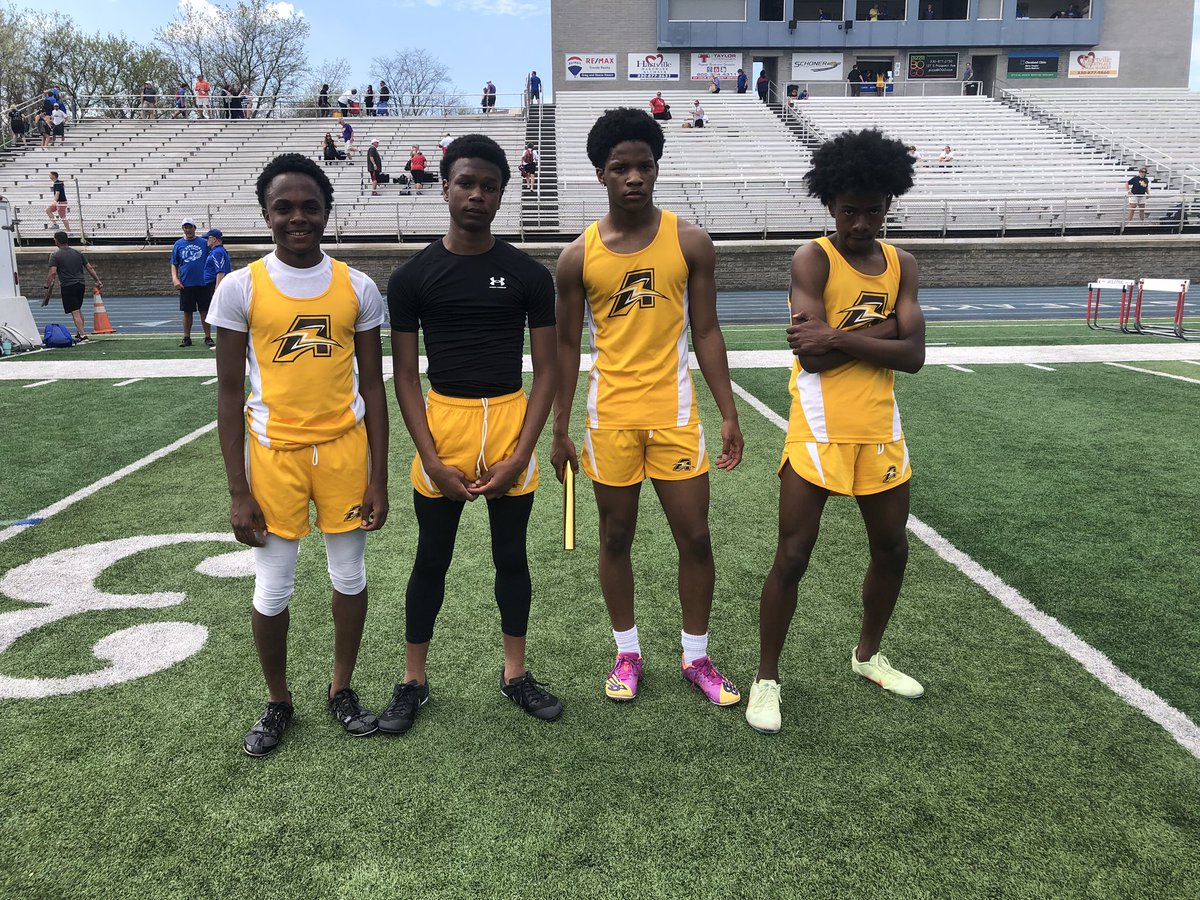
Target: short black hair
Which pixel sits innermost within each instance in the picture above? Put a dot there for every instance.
(53, 174)
(301, 165)
(61, 238)
(623, 124)
(475, 146)
(860, 162)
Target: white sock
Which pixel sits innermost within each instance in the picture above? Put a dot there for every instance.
(627, 641)
(694, 646)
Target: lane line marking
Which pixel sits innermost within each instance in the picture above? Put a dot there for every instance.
(210, 381)
(961, 369)
(85, 492)
(1175, 722)
(127, 381)
(1043, 368)
(40, 383)
(1152, 372)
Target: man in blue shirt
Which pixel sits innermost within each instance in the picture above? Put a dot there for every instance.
(187, 274)
(535, 88)
(216, 266)
(742, 81)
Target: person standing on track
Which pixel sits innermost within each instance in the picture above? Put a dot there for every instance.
(642, 277)
(307, 326)
(855, 320)
(68, 265)
(471, 296)
(187, 275)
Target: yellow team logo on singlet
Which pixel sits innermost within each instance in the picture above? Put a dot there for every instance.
(307, 334)
(637, 289)
(867, 308)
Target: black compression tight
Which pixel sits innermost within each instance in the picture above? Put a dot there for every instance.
(437, 521)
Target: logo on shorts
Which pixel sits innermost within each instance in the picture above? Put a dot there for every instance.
(636, 290)
(890, 475)
(354, 513)
(308, 334)
(496, 281)
(868, 308)
(684, 465)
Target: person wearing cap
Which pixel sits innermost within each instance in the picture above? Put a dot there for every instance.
(187, 274)
(374, 166)
(216, 266)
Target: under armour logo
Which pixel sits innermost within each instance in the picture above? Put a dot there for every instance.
(495, 282)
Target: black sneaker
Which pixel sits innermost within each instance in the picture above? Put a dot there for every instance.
(407, 700)
(346, 709)
(80, 338)
(532, 697)
(186, 342)
(209, 343)
(267, 731)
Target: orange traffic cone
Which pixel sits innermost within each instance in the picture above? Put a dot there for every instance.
(100, 322)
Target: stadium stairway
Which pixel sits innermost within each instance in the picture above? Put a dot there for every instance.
(539, 208)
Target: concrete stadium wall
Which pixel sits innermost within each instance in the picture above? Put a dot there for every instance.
(741, 265)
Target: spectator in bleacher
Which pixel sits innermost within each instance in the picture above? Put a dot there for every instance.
(58, 206)
(763, 85)
(659, 108)
(856, 79)
(968, 79)
(217, 264)
(383, 105)
(535, 87)
(68, 265)
(927, 12)
(946, 157)
(489, 96)
(822, 16)
(48, 102)
(202, 89)
(715, 86)
(58, 125)
(1136, 189)
(1073, 12)
(330, 151)
(180, 102)
(149, 100)
(445, 142)
(915, 154)
(345, 100)
(880, 83)
(187, 275)
(742, 82)
(348, 138)
(239, 105)
(699, 117)
(873, 13)
(20, 127)
(529, 166)
(374, 166)
(369, 100)
(417, 163)
(41, 123)
(323, 102)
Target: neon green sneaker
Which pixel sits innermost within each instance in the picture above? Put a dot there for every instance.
(880, 671)
(762, 710)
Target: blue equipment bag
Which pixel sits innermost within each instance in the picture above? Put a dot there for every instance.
(57, 336)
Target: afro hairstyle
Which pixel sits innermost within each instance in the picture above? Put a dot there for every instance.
(287, 163)
(475, 146)
(859, 162)
(623, 124)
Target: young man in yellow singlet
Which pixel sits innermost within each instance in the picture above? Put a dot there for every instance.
(642, 277)
(855, 319)
(307, 328)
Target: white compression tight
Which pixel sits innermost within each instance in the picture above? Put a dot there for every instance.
(275, 568)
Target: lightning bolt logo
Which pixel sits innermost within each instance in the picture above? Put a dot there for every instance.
(308, 334)
(636, 290)
(868, 308)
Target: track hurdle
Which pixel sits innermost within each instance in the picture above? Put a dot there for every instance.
(1124, 313)
(1176, 286)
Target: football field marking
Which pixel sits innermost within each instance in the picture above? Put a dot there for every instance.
(127, 381)
(85, 492)
(962, 369)
(40, 383)
(1176, 723)
(1152, 372)
(1042, 368)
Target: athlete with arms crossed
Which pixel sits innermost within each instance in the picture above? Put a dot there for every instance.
(641, 276)
(472, 295)
(318, 429)
(855, 319)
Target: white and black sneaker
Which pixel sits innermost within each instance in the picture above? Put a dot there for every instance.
(531, 696)
(407, 700)
(357, 721)
(267, 732)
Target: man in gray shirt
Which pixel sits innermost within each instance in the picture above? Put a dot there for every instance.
(68, 265)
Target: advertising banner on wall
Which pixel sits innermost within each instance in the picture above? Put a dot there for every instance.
(653, 66)
(706, 65)
(1033, 65)
(1094, 63)
(817, 67)
(586, 66)
(933, 65)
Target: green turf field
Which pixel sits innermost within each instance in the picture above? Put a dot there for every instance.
(1019, 774)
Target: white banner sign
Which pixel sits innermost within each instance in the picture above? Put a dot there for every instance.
(586, 66)
(653, 66)
(1094, 63)
(706, 65)
(817, 67)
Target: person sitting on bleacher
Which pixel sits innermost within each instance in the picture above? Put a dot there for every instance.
(946, 157)
(329, 150)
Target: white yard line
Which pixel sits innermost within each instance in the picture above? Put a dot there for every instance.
(210, 381)
(40, 383)
(961, 369)
(127, 381)
(1103, 669)
(84, 493)
(1042, 368)
(1152, 372)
